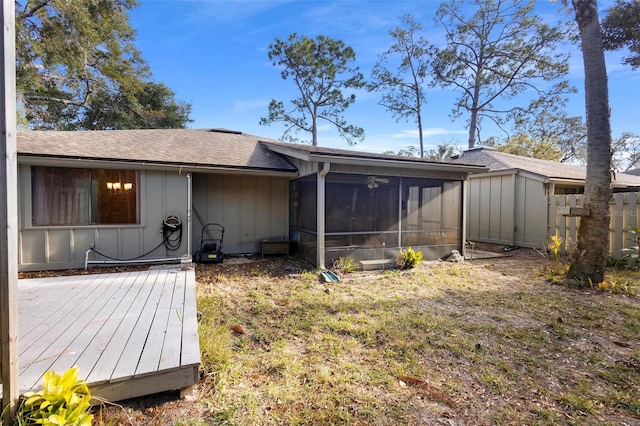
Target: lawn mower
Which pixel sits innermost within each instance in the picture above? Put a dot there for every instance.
(211, 244)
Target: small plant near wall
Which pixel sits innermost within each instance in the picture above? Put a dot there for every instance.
(556, 271)
(63, 400)
(408, 258)
(343, 265)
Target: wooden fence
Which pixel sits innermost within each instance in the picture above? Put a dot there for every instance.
(624, 208)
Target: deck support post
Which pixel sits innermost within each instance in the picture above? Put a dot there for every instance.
(8, 216)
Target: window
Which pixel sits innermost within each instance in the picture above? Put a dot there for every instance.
(62, 196)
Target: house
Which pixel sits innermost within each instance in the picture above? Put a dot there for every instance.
(512, 203)
(143, 195)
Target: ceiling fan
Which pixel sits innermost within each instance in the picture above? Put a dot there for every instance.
(373, 182)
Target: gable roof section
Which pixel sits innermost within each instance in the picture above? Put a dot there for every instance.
(183, 147)
(332, 155)
(501, 161)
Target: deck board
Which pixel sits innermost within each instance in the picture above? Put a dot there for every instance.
(171, 348)
(113, 352)
(130, 334)
(137, 341)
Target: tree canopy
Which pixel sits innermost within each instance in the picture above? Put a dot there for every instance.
(621, 28)
(74, 58)
(403, 87)
(497, 51)
(321, 71)
(526, 146)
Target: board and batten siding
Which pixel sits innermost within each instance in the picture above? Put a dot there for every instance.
(507, 209)
(250, 208)
(161, 194)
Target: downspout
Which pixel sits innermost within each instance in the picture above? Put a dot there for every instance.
(189, 202)
(320, 220)
(400, 213)
(514, 181)
(465, 216)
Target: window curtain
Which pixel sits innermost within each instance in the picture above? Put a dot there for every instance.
(61, 196)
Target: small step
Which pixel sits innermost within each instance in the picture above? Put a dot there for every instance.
(370, 265)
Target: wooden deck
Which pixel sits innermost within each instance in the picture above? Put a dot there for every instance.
(130, 334)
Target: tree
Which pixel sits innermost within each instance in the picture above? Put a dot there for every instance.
(589, 258)
(72, 57)
(621, 28)
(403, 88)
(152, 107)
(410, 151)
(320, 70)
(625, 152)
(552, 127)
(443, 151)
(524, 145)
(500, 52)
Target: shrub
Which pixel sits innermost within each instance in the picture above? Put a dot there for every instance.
(63, 400)
(344, 265)
(554, 247)
(408, 258)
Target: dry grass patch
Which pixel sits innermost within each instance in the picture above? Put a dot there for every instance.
(469, 343)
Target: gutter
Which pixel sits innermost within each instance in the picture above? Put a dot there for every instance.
(39, 160)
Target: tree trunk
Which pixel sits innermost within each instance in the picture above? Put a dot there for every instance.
(473, 122)
(420, 136)
(314, 131)
(590, 256)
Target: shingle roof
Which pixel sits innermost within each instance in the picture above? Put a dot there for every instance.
(196, 147)
(214, 148)
(498, 161)
(357, 154)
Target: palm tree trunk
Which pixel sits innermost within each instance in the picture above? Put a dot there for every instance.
(590, 256)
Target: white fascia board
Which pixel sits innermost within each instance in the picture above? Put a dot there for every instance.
(145, 165)
(408, 164)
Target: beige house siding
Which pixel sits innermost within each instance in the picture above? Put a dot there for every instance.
(162, 193)
(250, 208)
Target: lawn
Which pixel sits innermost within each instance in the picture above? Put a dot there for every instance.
(480, 342)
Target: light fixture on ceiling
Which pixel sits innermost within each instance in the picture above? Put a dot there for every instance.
(374, 182)
(118, 187)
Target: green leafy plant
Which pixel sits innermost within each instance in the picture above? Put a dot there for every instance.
(344, 265)
(554, 247)
(632, 259)
(617, 285)
(408, 258)
(63, 400)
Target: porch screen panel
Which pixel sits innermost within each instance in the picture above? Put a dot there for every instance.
(431, 212)
(431, 209)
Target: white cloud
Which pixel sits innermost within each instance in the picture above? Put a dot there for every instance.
(434, 131)
(250, 105)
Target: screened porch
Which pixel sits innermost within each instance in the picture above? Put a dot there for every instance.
(374, 217)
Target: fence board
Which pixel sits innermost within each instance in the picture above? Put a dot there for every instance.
(623, 208)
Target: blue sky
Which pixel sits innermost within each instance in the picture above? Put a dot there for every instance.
(213, 54)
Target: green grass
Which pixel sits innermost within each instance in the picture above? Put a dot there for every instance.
(471, 343)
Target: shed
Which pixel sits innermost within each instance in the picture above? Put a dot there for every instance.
(115, 192)
(510, 204)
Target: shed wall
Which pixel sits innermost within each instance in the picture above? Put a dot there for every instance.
(162, 193)
(508, 209)
(250, 208)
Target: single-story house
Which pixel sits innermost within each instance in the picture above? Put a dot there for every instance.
(511, 203)
(131, 195)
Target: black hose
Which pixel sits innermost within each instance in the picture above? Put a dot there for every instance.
(170, 226)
